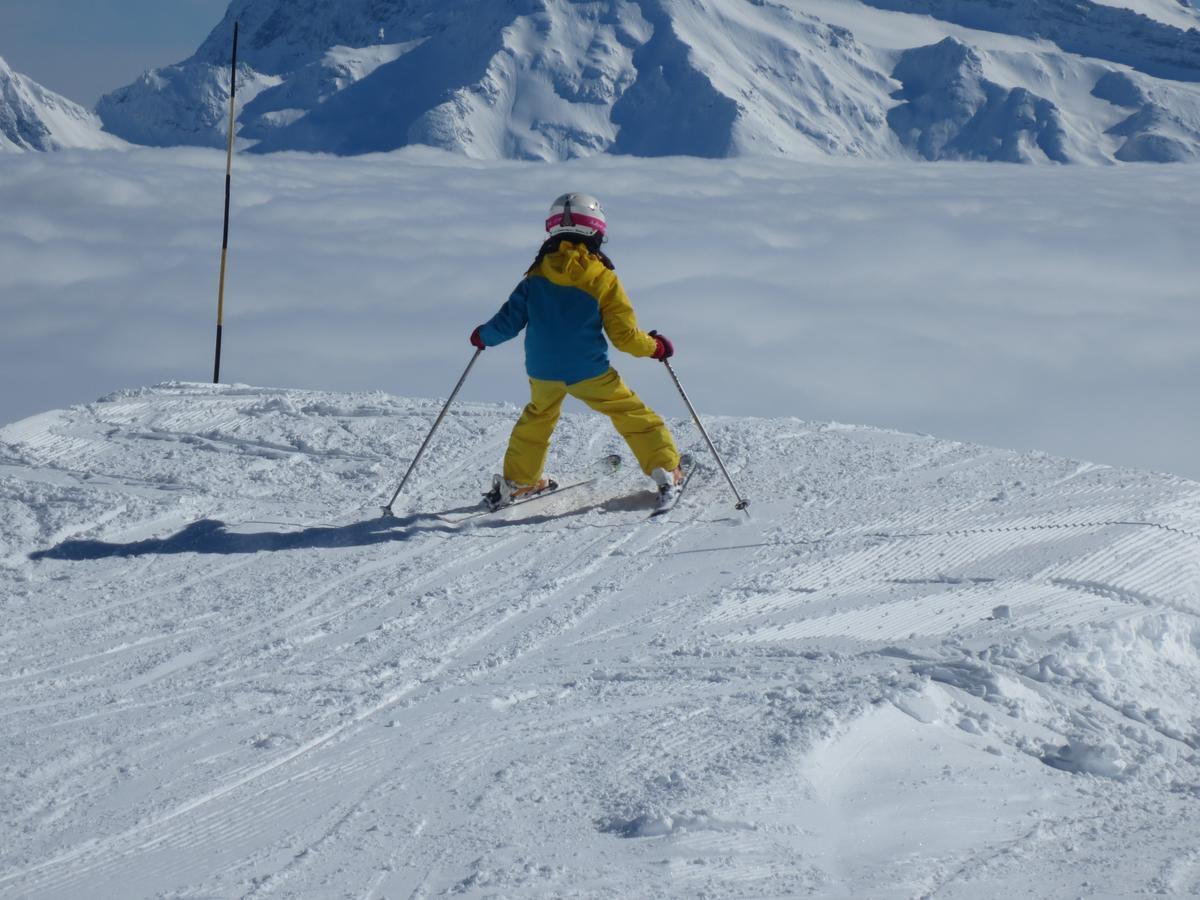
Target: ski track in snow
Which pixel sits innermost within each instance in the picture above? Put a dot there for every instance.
(922, 668)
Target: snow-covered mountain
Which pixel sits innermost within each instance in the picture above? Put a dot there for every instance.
(34, 118)
(924, 668)
(1052, 80)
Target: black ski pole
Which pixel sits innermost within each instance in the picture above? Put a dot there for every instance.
(228, 191)
(743, 505)
(387, 510)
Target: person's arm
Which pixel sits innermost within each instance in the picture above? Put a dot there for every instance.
(508, 322)
(620, 321)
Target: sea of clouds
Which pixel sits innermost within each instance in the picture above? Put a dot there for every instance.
(1034, 308)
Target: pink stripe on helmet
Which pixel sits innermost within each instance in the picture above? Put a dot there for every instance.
(586, 221)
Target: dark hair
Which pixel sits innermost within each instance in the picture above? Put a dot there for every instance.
(552, 244)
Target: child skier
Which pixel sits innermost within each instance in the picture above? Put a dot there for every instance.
(569, 299)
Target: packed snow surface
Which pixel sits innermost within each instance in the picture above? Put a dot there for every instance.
(922, 668)
(548, 80)
(1030, 307)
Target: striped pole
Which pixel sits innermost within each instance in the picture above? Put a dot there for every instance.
(228, 189)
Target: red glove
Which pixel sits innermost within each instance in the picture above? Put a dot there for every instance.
(665, 349)
(477, 341)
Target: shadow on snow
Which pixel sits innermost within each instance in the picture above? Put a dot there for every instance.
(212, 536)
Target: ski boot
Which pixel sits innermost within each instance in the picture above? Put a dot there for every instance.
(668, 484)
(505, 492)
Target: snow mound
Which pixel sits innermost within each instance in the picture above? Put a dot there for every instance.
(525, 79)
(950, 111)
(1162, 128)
(223, 672)
(33, 118)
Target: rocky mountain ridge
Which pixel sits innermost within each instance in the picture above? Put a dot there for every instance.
(34, 118)
(552, 79)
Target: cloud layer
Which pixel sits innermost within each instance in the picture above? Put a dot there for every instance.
(1040, 309)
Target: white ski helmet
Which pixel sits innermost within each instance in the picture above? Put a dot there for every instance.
(579, 214)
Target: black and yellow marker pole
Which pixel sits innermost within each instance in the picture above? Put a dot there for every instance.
(228, 190)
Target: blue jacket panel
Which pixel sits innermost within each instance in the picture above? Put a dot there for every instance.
(564, 332)
(567, 305)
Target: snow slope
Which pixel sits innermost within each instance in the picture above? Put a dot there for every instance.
(1180, 13)
(922, 668)
(552, 80)
(33, 118)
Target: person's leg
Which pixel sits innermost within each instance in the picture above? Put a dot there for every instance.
(643, 429)
(530, 441)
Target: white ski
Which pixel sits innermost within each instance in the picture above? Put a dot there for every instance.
(601, 469)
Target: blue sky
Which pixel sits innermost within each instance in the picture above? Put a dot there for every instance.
(85, 48)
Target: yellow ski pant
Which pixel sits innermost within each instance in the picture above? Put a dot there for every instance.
(642, 428)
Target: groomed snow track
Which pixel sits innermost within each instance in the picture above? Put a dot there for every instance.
(923, 669)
